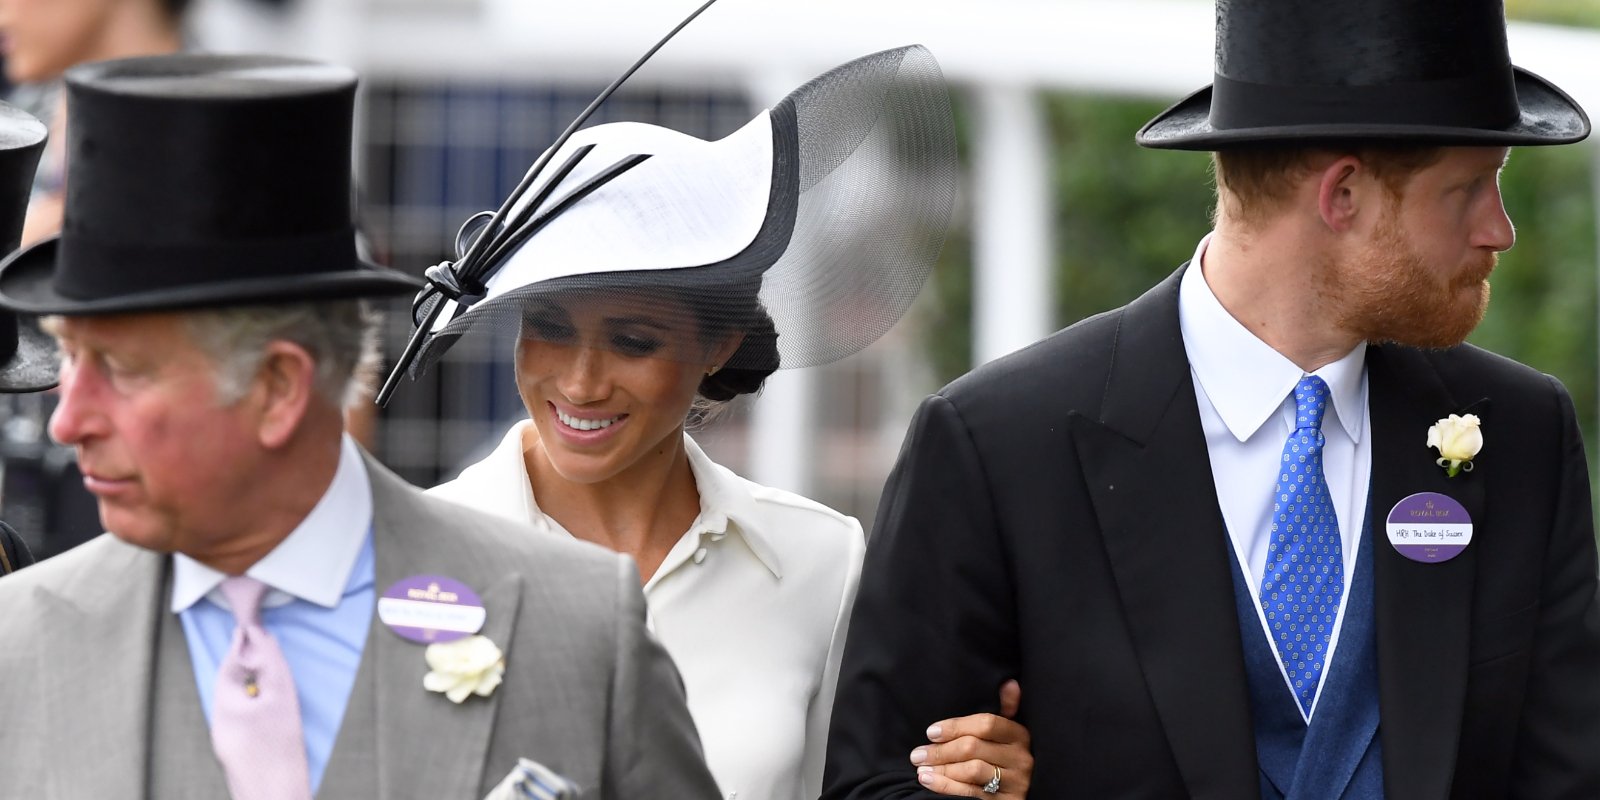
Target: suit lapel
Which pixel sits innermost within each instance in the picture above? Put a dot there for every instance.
(1150, 479)
(1423, 610)
(185, 767)
(105, 661)
(398, 739)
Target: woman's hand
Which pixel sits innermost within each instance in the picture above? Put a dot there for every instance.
(968, 753)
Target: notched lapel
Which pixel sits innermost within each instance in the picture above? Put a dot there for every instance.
(1168, 550)
(105, 654)
(428, 746)
(1423, 610)
(1149, 477)
(398, 739)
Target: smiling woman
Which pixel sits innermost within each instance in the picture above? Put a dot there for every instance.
(651, 272)
(606, 386)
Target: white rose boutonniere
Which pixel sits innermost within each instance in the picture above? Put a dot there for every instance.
(1458, 440)
(467, 666)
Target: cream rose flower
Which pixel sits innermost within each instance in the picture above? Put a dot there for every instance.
(466, 666)
(1458, 440)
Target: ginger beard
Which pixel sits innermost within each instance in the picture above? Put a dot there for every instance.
(1391, 293)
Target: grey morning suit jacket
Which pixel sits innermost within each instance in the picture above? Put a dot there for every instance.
(98, 699)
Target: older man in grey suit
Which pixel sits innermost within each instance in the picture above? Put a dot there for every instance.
(241, 629)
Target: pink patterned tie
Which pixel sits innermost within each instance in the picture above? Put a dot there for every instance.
(255, 717)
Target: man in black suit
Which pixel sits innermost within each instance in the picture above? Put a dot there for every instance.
(1190, 526)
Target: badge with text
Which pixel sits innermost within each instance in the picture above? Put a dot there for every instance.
(431, 608)
(1429, 527)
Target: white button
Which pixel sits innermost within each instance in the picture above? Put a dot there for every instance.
(699, 555)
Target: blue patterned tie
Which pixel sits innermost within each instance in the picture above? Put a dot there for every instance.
(1304, 578)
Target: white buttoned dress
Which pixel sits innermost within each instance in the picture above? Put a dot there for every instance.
(752, 604)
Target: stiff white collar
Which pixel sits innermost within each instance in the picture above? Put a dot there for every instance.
(1246, 380)
(314, 562)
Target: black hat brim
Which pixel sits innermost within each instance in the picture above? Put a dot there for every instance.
(27, 285)
(1548, 117)
(36, 364)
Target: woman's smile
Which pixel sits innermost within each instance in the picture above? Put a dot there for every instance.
(585, 428)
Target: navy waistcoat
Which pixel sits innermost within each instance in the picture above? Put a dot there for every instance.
(1338, 756)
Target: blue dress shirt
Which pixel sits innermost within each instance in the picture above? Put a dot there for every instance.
(321, 629)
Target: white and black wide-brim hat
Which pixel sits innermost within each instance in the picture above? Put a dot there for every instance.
(814, 225)
(200, 181)
(29, 359)
(1424, 71)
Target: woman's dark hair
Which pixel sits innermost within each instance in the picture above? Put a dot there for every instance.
(740, 312)
(176, 8)
(757, 358)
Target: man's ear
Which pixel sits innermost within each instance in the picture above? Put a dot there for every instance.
(1343, 189)
(285, 388)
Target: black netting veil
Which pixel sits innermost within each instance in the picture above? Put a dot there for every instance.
(862, 186)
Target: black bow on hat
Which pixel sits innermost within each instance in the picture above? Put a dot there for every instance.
(1427, 71)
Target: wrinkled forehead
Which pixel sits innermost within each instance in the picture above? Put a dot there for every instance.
(127, 331)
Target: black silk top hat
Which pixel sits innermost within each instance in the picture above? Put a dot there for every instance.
(28, 357)
(201, 181)
(1424, 71)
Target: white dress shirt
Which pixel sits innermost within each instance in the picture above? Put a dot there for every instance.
(1245, 391)
(752, 604)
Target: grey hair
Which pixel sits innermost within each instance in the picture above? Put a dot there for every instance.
(342, 336)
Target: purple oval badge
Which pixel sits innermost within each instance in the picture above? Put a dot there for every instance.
(1429, 527)
(431, 608)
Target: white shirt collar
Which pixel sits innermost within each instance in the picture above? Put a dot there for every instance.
(314, 562)
(1244, 378)
(725, 500)
(726, 503)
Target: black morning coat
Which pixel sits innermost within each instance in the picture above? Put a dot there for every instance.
(1052, 518)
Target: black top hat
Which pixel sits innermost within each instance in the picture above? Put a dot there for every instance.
(28, 358)
(1427, 71)
(202, 180)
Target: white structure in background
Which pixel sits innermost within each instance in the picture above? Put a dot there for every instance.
(999, 52)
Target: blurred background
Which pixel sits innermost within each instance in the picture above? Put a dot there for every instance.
(1062, 216)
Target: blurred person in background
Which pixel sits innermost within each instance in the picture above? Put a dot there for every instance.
(1237, 538)
(659, 275)
(224, 637)
(42, 38)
